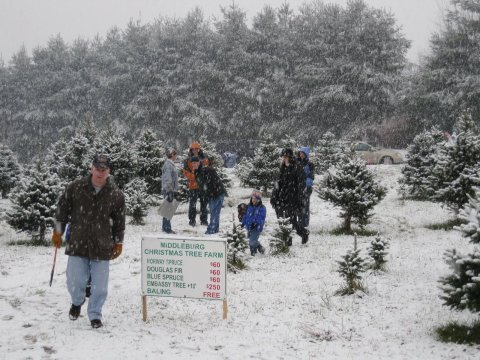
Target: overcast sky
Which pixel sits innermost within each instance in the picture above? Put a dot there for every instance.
(33, 22)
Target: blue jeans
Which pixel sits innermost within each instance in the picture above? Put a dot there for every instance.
(166, 225)
(304, 216)
(253, 236)
(192, 208)
(215, 206)
(79, 269)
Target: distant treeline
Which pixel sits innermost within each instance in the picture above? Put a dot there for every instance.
(301, 73)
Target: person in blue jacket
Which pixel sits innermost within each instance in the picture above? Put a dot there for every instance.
(254, 220)
(309, 170)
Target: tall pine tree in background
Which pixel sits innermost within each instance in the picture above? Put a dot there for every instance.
(353, 188)
(9, 170)
(261, 171)
(137, 200)
(328, 152)
(150, 155)
(34, 201)
(457, 166)
(421, 160)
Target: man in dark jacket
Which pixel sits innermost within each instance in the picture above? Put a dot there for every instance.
(211, 188)
(95, 209)
(287, 196)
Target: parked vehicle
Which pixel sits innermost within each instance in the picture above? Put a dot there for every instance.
(374, 155)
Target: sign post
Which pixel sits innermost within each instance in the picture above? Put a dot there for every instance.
(184, 267)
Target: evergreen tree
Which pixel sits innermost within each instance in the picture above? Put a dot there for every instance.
(377, 251)
(9, 170)
(150, 158)
(352, 187)
(471, 215)
(461, 290)
(216, 161)
(261, 171)
(350, 267)
(456, 171)
(327, 153)
(421, 160)
(137, 200)
(281, 240)
(34, 201)
(237, 245)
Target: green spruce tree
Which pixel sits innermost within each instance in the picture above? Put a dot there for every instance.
(150, 155)
(350, 268)
(137, 200)
(281, 239)
(237, 245)
(378, 251)
(9, 170)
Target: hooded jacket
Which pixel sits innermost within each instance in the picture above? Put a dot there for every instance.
(308, 166)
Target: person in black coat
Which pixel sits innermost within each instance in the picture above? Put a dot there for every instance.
(288, 193)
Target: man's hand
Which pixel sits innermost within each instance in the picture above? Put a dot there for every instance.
(117, 250)
(57, 239)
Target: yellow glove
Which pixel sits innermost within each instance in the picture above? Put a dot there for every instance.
(117, 250)
(57, 239)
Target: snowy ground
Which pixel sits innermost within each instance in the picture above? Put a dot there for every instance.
(279, 308)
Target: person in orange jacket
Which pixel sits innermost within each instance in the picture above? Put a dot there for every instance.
(193, 192)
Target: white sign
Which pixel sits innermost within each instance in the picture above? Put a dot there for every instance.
(176, 266)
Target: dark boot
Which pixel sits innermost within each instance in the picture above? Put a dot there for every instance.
(96, 323)
(289, 241)
(261, 249)
(305, 237)
(74, 312)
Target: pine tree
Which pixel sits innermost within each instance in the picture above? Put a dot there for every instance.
(377, 251)
(456, 172)
(281, 240)
(9, 170)
(216, 161)
(352, 187)
(461, 290)
(421, 160)
(327, 153)
(34, 201)
(237, 245)
(261, 171)
(150, 158)
(137, 200)
(471, 215)
(350, 268)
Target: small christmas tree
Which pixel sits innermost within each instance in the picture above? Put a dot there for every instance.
(421, 160)
(456, 171)
(9, 170)
(471, 215)
(150, 155)
(350, 268)
(461, 290)
(237, 245)
(261, 171)
(34, 201)
(137, 200)
(352, 187)
(377, 251)
(281, 240)
(328, 153)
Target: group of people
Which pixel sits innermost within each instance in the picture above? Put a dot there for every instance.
(93, 207)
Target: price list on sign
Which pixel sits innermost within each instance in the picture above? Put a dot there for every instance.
(186, 267)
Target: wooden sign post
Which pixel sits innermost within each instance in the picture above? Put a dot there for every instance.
(184, 267)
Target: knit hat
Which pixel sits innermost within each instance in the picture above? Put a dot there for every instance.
(101, 161)
(170, 152)
(195, 145)
(287, 152)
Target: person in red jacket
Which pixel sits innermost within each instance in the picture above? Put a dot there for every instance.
(193, 193)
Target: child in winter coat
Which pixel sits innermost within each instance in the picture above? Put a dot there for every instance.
(253, 221)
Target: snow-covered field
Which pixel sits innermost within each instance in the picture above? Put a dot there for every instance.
(279, 308)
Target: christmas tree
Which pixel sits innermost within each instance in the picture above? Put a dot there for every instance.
(377, 251)
(421, 160)
(34, 201)
(216, 160)
(471, 215)
(261, 171)
(237, 245)
(350, 268)
(9, 170)
(150, 154)
(281, 240)
(137, 200)
(456, 171)
(328, 153)
(352, 187)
